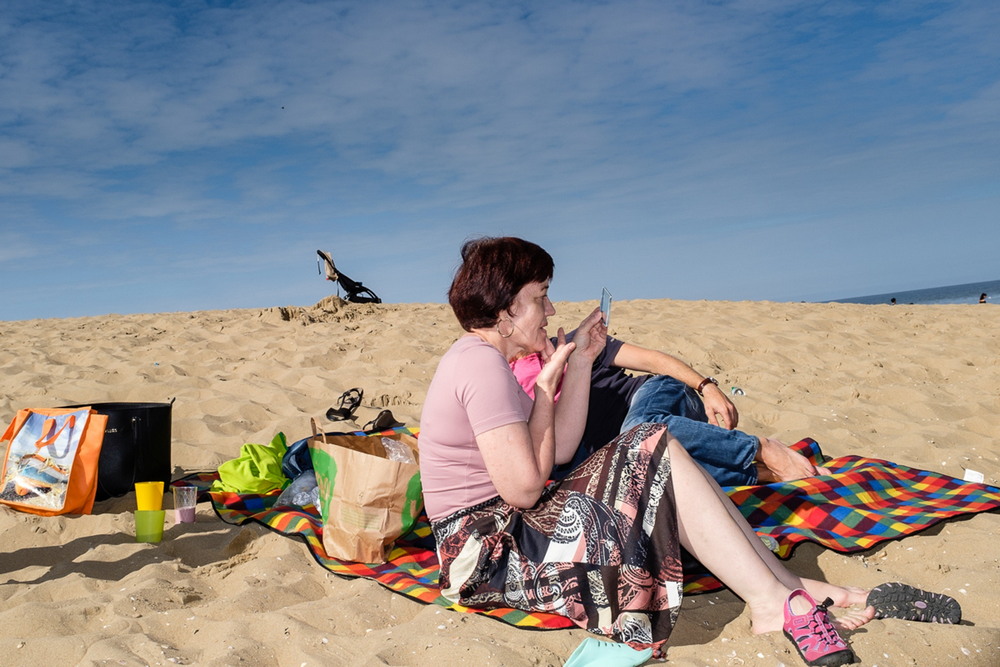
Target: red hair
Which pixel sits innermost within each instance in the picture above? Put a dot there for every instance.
(492, 272)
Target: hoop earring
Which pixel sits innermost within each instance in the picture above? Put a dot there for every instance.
(502, 334)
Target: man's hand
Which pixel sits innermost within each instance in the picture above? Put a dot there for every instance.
(719, 408)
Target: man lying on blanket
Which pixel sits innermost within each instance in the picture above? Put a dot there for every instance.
(668, 391)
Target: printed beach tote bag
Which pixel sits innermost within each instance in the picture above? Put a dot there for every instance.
(51, 461)
(367, 499)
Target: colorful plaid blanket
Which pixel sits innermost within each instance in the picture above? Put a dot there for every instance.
(860, 503)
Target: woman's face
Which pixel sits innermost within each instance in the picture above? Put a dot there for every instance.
(530, 315)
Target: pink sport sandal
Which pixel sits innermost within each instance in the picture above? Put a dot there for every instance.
(814, 637)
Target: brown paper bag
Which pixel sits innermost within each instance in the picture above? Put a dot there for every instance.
(367, 500)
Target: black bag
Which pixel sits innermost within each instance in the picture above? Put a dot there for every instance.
(136, 446)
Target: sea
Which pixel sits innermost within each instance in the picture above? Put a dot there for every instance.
(967, 293)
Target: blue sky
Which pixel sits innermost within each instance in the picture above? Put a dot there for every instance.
(190, 155)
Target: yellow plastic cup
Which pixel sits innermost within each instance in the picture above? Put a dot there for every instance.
(149, 525)
(149, 496)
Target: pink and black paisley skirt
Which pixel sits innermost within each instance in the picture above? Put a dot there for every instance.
(600, 547)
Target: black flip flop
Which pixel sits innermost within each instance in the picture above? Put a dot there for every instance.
(347, 405)
(897, 600)
(383, 421)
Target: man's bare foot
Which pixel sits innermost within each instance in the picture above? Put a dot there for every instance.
(781, 464)
(764, 476)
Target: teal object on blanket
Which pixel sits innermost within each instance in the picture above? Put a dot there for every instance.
(256, 470)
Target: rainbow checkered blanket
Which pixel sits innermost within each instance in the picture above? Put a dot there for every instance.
(861, 502)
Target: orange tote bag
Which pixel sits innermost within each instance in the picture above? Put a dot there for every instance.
(50, 465)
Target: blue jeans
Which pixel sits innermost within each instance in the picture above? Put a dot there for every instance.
(728, 456)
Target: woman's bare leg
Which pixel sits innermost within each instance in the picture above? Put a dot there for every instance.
(715, 533)
(842, 596)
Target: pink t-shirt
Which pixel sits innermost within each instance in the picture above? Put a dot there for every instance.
(473, 391)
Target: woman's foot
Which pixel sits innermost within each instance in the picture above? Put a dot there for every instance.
(842, 596)
(853, 619)
(781, 464)
(808, 626)
(769, 617)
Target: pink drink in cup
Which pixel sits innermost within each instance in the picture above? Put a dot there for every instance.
(185, 499)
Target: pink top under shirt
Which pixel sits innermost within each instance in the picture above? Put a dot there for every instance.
(473, 391)
(526, 370)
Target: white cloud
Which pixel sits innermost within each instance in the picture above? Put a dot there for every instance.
(679, 122)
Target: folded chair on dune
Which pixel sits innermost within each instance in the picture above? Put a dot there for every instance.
(355, 292)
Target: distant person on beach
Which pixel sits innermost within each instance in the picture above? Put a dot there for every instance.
(602, 546)
(668, 391)
(982, 298)
(892, 301)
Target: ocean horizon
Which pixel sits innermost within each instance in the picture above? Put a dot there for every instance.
(948, 294)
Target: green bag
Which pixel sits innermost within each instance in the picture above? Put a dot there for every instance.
(256, 470)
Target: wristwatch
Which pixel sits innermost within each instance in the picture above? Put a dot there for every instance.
(701, 385)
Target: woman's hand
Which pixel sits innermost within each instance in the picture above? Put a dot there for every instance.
(554, 358)
(591, 337)
(588, 342)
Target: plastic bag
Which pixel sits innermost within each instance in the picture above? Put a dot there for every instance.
(397, 451)
(301, 492)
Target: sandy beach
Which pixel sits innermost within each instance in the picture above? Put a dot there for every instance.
(918, 385)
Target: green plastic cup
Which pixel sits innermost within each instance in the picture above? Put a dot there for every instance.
(149, 525)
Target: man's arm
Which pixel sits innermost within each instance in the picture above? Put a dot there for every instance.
(718, 407)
